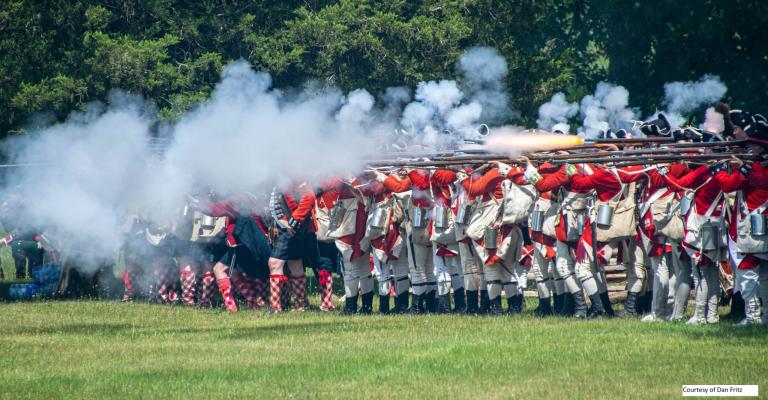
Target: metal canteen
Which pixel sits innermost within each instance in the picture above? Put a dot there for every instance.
(604, 215)
(336, 216)
(207, 222)
(570, 235)
(709, 236)
(462, 213)
(580, 223)
(757, 224)
(537, 220)
(419, 217)
(378, 218)
(490, 237)
(685, 204)
(441, 217)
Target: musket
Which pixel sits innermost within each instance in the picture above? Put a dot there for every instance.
(650, 159)
(633, 140)
(650, 151)
(707, 144)
(438, 163)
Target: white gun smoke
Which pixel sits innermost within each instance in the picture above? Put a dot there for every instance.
(681, 98)
(106, 164)
(554, 114)
(112, 161)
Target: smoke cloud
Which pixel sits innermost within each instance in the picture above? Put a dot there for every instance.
(682, 98)
(484, 70)
(556, 112)
(113, 160)
(606, 108)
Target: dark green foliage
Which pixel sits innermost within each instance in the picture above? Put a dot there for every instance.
(56, 56)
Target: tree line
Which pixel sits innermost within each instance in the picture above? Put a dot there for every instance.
(57, 56)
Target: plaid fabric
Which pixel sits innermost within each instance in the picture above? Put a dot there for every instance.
(225, 288)
(249, 289)
(128, 292)
(261, 292)
(299, 289)
(326, 293)
(188, 286)
(275, 291)
(288, 247)
(206, 290)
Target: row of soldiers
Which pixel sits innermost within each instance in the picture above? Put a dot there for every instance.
(464, 239)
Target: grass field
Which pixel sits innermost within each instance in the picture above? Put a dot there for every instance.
(100, 349)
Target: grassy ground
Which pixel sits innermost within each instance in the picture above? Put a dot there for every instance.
(99, 349)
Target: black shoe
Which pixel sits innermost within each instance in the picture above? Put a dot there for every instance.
(558, 304)
(384, 304)
(471, 302)
(514, 304)
(367, 303)
(597, 310)
(485, 303)
(350, 306)
(544, 309)
(444, 304)
(417, 304)
(607, 305)
(630, 306)
(579, 305)
(494, 308)
(401, 303)
(430, 301)
(459, 305)
(737, 308)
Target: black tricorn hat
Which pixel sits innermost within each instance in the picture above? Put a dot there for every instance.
(611, 134)
(758, 131)
(742, 119)
(658, 127)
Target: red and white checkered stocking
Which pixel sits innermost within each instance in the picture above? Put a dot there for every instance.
(206, 290)
(225, 288)
(275, 293)
(162, 293)
(188, 285)
(299, 289)
(245, 287)
(326, 290)
(261, 292)
(128, 292)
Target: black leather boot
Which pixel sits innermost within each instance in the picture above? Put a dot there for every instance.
(558, 300)
(485, 303)
(417, 304)
(545, 308)
(568, 306)
(607, 304)
(494, 307)
(597, 310)
(579, 305)
(459, 305)
(630, 306)
(430, 301)
(444, 304)
(366, 306)
(401, 303)
(737, 312)
(471, 302)
(514, 304)
(384, 304)
(350, 305)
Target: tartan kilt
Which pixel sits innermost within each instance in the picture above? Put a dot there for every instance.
(289, 247)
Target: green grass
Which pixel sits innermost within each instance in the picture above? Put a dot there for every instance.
(99, 349)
